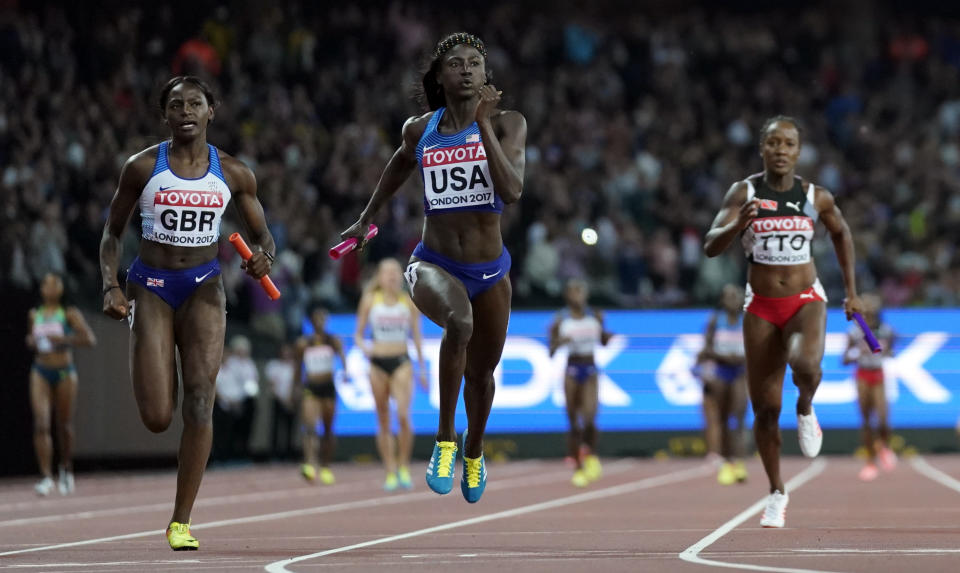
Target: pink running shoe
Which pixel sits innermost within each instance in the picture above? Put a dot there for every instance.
(868, 473)
(888, 459)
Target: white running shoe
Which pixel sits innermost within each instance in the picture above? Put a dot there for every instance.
(809, 433)
(775, 514)
(44, 486)
(66, 484)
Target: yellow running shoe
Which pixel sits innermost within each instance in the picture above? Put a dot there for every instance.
(403, 475)
(326, 476)
(580, 479)
(740, 470)
(592, 467)
(178, 535)
(474, 479)
(440, 469)
(726, 475)
(308, 472)
(391, 483)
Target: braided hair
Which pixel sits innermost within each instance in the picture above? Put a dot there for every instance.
(432, 95)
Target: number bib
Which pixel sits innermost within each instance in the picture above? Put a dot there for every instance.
(780, 240)
(782, 232)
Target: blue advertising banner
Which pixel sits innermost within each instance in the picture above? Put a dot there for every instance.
(647, 383)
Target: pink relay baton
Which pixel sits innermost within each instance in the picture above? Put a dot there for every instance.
(352, 243)
(872, 341)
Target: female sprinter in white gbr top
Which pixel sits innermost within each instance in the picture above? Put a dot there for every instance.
(182, 187)
(786, 307)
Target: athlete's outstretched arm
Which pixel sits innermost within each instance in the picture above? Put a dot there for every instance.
(337, 345)
(133, 176)
(243, 188)
(416, 331)
(30, 340)
(734, 216)
(708, 351)
(605, 335)
(398, 170)
(843, 244)
(506, 151)
(363, 312)
(82, 333)
(556, 341)
(299, 347)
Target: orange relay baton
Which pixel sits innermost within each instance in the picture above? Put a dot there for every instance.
(238, 243)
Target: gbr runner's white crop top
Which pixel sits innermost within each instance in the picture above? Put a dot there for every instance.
(183, 212)
(584, 333)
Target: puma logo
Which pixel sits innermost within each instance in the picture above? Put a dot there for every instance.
(806, 295)
(795, 206)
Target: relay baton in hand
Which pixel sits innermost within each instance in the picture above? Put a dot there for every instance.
(352, 243)
(238, 243)
(872, 341)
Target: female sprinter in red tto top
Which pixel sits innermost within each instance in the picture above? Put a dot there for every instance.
(174, 300)
(786, 307)
(471, 157)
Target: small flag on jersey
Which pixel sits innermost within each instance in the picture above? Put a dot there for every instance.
(768, 204)
(151, 282)
(473, 138)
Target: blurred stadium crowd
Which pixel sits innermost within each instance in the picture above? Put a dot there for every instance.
(638, 123)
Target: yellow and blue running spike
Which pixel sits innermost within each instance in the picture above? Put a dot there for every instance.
(179, 537)
(326, 476)
(592, 467)
(391, 483)
(403, 475)
(308, 472)
(474, 479)
(440, 468)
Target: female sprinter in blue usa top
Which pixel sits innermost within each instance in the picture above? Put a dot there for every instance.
(471, 158)
(174, 299)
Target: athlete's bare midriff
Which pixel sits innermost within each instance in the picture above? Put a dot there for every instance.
(173, 257)
(388, 349)
(776, 281)
(581, 359)
(55, 360)
(466, 237)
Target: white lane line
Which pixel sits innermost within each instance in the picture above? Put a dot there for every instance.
(205, 502)
(100, 564)
(303, 491)
(132, 486)
(842, 551)
(692, 553)
(630, 487)
(936, 475)
(359, 504)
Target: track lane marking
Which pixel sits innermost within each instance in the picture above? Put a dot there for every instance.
(630, 487)
(616, 467)
(692, 554)
(942, 478)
